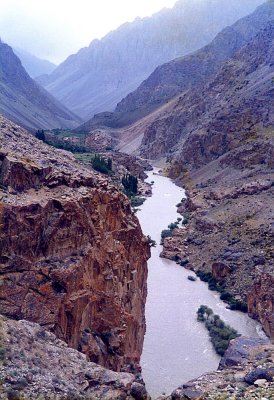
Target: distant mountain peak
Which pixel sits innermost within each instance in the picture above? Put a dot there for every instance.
(100, 75)
(34, 66)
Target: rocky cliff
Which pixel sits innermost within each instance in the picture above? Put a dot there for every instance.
(98, 76)
(34, 364)
(73, 256)
(24, 101)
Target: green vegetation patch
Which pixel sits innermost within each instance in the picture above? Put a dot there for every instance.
(130, 184)
(84, 157)
(225, 296)
(168, 232)
(220, 333)
(102, 165)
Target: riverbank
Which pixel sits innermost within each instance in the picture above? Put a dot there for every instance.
(245, 372)
(229, 234)
(176, 347)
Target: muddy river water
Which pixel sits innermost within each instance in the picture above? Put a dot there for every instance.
(176, 346)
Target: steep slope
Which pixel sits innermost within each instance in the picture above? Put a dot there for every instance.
(240, 95)
(24, 101)
(220, 142)
(98, 76)
(33, 65)
(73, 256)
(181, 74)
(36, 364)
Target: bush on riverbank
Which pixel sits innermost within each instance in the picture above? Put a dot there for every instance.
(220, 333)
(168, 232)
(225, 296)
(137, 201)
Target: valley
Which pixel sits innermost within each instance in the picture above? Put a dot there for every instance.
(136, 188)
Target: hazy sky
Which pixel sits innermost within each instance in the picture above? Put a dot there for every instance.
(54, 29)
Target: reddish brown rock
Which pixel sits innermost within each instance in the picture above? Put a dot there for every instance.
(260, 299)
(220, 270)
(73, 256)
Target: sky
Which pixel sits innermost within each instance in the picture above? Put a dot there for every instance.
(54, 29)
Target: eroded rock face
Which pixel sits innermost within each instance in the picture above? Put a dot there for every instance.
(260, 299)
(73, 256)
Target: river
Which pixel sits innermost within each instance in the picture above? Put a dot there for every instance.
(176, 346)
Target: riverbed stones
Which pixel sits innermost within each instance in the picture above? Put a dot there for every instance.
(259, 374)
(187, 394)
(255, 362)
(138, 391)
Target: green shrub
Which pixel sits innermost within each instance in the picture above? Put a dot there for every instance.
(166, 233)
(40, 134)
(220, 333)
(137, 201)
(225, 296)
(186, 218)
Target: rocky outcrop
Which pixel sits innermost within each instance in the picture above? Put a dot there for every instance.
(36, 364)
(73, 256)
(260, 300)
(22, 100)
(100, 75)
(245, 372)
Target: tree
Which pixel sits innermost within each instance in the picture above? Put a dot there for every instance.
(40, 134)
(130, 184)
(101, 165)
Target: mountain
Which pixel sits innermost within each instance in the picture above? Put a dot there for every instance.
(98, 76)
(218, 138)
(24, 101)
(181, 74)
(33, 65)
(237, 99)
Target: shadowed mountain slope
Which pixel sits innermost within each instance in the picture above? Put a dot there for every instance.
(181, 74)
(98, 76)
(24, 101)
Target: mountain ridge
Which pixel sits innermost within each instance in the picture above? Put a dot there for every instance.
(34, 66)
(100, 75)
(24, 101)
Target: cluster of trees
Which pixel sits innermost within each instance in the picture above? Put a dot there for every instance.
(130, 184)
(220, 333)
(101, 165)
(59, 143)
